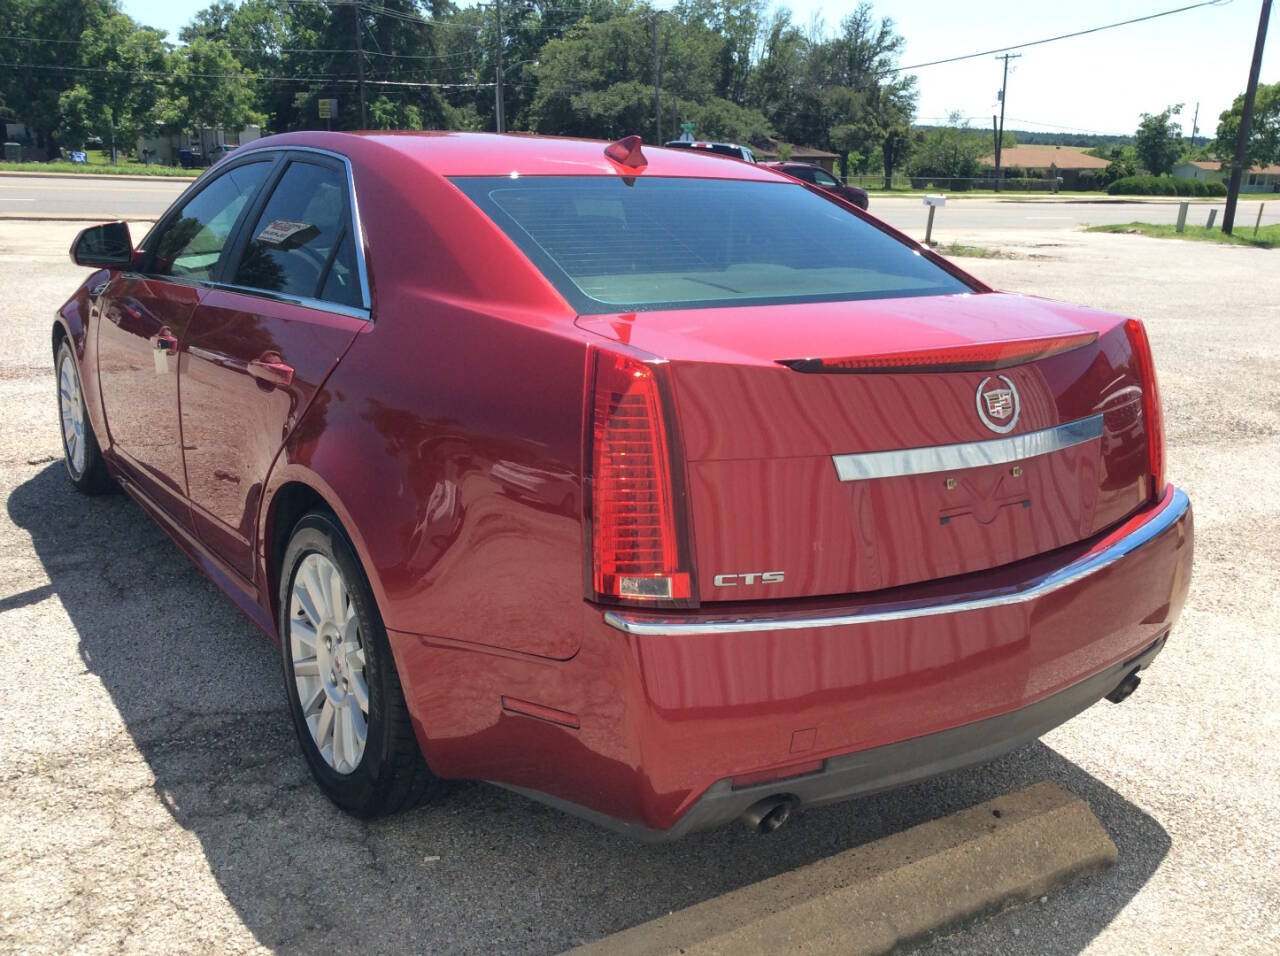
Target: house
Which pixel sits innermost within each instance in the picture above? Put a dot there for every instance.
(1046, 162)
(1260, 179)
(204, 142)
(767, 149)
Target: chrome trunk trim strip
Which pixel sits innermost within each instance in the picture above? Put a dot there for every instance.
(1088, 564)
(999, 451)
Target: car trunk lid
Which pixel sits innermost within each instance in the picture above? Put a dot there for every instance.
(836, 481)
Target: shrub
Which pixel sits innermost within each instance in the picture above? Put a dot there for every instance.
(1163, 186)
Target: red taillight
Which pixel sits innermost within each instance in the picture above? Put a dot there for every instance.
(1152, 413)
(636, 553)
(955, 358)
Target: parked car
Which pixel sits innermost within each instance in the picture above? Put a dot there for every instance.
(217, 152)
(732, 150)
(665, 490)
(810, 173)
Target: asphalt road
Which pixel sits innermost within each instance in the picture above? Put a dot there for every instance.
(100, 198)
(152, 796)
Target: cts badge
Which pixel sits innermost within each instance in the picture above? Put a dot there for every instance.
(748, 577)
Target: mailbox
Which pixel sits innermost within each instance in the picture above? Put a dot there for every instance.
(933, 199)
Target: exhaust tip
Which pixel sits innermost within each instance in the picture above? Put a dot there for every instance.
(1125, 688)
(769, 814)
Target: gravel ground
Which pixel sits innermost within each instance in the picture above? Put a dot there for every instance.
(153, 797)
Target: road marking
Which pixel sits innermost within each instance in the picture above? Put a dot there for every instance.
(882, 895)
(14, 199)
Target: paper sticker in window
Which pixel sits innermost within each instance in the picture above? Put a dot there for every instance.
(287, 233)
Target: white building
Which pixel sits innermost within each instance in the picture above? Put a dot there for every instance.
(1260, 179)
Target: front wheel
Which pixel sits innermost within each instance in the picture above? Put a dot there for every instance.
(80, 451)
(344, 694)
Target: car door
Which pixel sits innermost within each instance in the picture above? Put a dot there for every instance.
(144, 315)
(285, 306)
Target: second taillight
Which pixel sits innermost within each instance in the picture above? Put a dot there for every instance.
(635, 548)
(1152, 413)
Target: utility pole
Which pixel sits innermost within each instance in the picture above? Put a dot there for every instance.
(1246, 118)
(657, 85)
(500, 120)
(1195, 125)
(355, 12)
(1004, 85)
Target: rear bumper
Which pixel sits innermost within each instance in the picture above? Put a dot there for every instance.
(647, 727)
(887, 767)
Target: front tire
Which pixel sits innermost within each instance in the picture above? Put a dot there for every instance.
(80, 452)
(344, 693)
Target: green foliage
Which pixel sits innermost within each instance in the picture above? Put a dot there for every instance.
(1263, 146)
(1164, 186)
(948, 152)
(576, 67)
(1158, 141)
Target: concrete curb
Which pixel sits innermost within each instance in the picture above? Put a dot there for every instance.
(895, 891)
(107, 177)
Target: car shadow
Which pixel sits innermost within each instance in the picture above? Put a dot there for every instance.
(199, 691)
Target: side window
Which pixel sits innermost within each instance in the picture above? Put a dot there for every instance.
(190, 245)
(302, 245)
(823, 178)
(802, 172)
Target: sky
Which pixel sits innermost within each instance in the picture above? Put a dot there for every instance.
(1100, 83)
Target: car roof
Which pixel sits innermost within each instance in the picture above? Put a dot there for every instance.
(451, 154)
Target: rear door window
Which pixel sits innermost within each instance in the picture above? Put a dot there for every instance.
(302, 244)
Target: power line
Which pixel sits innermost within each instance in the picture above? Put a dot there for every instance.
(254, 49)
(169, 75)
(1064, 36)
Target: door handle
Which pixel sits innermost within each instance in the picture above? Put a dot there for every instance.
(271, 373)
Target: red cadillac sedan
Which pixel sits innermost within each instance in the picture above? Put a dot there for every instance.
(665, 490)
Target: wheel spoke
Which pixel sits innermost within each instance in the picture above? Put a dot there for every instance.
(316, 701)
(307, 602)
(315, 586)
(337, 594)
(324, 726)
(359, 691)
(358, 729)
(303, 633)
(306, 667)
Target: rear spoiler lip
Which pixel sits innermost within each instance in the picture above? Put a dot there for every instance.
(954, 358)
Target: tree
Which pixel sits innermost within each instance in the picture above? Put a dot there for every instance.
(1263, 147)
(128, 63)
(949, 152)
(1158, 140)
(211, 88)
(44, 46)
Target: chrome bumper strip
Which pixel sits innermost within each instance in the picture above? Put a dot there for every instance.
(1077, 570)
(999, 451)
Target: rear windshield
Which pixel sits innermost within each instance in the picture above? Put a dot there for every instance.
(629, 244)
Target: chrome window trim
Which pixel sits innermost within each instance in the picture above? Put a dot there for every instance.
(1072, 573)
(357, 235)
(320, 305)
(997, 451)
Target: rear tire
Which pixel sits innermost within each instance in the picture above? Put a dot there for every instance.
(343, 691)
(80, 452)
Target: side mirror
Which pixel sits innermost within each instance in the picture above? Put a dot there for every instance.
(108, 246)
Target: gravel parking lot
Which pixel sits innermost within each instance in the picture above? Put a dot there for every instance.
(154, 799)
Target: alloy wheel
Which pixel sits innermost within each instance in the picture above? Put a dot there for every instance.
(71, 408)
(329, 662)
